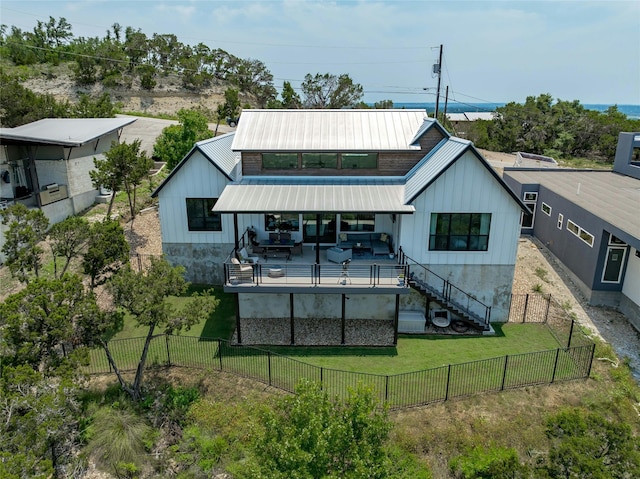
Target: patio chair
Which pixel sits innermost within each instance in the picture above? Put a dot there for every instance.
(297, 248)
(240, 271)
(243, 255)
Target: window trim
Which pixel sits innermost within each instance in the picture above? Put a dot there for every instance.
(542, 208)
(531, 196)
(207, 218)
(580, 232)
(481, 240)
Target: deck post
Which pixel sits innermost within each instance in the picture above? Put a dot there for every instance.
(344, 299)
(236, 240)
(238, 318)
(396, 314)
(318, 219)
(291, 321)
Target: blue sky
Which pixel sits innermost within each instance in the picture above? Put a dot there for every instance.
(497, 51)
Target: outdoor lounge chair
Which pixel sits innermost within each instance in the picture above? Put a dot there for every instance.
(240, 271)
(244, 256)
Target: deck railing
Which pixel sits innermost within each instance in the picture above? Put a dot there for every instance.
(355, 274)
(444, 289)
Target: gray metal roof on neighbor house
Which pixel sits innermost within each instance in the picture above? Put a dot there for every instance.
(62, 131)
(610, 196)
(328, 130)
(312, 198)
(217, 151)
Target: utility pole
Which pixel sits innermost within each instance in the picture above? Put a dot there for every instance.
(446, 102)
(439, 72)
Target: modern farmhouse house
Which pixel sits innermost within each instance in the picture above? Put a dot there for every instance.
(589, 220)
(46, 164)
(347, 215)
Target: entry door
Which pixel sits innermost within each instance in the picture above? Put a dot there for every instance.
(613, 265)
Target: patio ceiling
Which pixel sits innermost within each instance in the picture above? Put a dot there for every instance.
(321, 198)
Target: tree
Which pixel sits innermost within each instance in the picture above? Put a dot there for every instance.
(177, 140)
(586, 445)
(39, 326)
(309, 435)
(330, 91)
(383, 105)
(290, 98)
(230, 108)
(27, 228)
(107, 251)
(145, 295)
(68, 238)
(123, 167)
(39, 426)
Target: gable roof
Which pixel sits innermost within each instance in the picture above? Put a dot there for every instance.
(63, 131)
(438, 160)
(329, 130)
(217, 151)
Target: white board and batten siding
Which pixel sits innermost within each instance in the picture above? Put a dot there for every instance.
(466, 187)
(197, 178)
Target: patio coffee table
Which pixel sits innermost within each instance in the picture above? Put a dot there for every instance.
(360, 250)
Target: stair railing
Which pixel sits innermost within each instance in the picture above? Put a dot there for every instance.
(446, 291)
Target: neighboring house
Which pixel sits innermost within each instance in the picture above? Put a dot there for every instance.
(461, 122)
(400, 197)
(589, 219)
(46, 164)
(529, 160)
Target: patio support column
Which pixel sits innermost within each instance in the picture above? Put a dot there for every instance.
(238, 318)
(318, 219)
(291, 321)
(344, 298)
(426, 309)
(236, 240)
(395, 320)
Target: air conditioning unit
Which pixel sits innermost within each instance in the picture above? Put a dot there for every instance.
(440, 318)
(53, 192)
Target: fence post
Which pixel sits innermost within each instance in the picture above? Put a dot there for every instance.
(269, 365)
(504, 373)
(570, 334)
(593, 353)
(220, 353)
(446, 394)
(386, 388)
(555, 365)
(526, 306)
(321, 378)
(166, 337)
(546, 314)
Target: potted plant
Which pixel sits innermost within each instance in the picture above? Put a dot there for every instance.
(401, 279)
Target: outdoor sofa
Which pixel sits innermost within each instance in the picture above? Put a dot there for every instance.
(378, 243)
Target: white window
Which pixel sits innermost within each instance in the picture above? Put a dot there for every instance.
(531, 196)
(580, 233)
(560, 220)
(546, 209)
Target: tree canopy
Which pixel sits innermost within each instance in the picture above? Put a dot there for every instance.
(330, 91)
(177, 140)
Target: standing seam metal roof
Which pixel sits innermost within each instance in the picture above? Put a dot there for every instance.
(328, 130)
(63, 131)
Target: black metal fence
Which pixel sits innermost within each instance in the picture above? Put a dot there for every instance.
(572, 360)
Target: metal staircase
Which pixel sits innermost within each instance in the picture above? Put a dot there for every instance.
(435, 288)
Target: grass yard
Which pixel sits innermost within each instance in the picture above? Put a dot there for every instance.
(412, 353)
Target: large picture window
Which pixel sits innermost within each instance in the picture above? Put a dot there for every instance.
(459, 231)
(357, 222)
(282, 221)
(200, 217)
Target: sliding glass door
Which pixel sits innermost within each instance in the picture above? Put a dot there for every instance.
(326, 228)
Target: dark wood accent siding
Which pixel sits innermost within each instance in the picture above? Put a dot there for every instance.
(389, 163)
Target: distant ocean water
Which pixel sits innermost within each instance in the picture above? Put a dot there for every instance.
(632, 111)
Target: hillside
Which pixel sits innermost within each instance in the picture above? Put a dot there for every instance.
(165, 99)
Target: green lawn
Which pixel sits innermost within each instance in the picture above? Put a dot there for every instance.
(413, 353)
